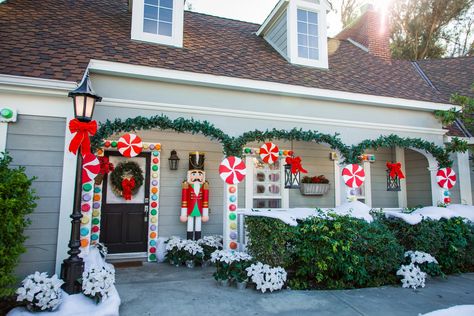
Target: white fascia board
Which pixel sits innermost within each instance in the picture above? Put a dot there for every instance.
(258, 86)
(279, 7)
(31, 85)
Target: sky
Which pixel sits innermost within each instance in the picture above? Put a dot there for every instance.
(249, 11)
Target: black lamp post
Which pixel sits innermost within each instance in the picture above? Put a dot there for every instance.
(72, 267)
(173, 160)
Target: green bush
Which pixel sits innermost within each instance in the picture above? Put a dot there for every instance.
(333, 252)
(450, 241)
(17, 199)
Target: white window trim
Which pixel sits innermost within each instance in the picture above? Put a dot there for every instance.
(292, 34)
(249, 196)
(176, 39)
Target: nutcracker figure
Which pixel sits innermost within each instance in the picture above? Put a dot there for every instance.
(195, 197)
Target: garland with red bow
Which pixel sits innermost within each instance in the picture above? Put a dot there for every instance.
(82, 130)
(395, 170)
(295, 163)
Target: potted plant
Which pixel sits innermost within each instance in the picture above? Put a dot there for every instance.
(238, 272)
(193, 253)
(231, 267)
(209, 244)
(40, 293)
(316, 185)
(175, 253)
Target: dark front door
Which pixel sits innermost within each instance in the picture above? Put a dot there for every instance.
(124, 222)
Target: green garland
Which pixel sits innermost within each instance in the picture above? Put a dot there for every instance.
(126, 167)
(233, 146)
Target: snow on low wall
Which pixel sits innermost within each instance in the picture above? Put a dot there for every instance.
(434, 213)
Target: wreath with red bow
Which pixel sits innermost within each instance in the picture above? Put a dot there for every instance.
(126, 179)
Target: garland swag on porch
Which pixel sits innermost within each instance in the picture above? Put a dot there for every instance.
(233, 146)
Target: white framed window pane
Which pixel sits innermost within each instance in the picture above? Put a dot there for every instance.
(302, 15)
(166, 15)
(165, 29)
(303, 51)
(312, 29)
(166, 3)
(313, 53)
(312, 17)
(313, 41)
(302, 40)
(302, 27)
(153, 2)
(150, 26)
(151, 12)
(267, 203)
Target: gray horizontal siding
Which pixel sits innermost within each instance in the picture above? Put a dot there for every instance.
(418, 179)
(277, 35)
(37, 143)
(380, 196)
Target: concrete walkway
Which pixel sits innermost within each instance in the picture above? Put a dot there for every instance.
(162, 289)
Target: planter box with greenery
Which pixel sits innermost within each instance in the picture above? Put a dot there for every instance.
(317, 185)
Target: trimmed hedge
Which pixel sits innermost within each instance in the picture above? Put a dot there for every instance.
(17, 200)
(336, 252)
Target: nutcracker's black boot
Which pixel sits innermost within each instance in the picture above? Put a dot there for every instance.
(190, 235)
(197, 235)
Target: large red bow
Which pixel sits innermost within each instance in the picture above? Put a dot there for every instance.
(81, 140)
(127, 187)
(295, 165)
(395, 170)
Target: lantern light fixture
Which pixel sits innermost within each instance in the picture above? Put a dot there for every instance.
(84, 100)
(173, 160)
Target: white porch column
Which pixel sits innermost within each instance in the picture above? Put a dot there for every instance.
(436, 193)
(464, 177)
(367, 184)
(337, 184)
(3, 136)
(402, 194)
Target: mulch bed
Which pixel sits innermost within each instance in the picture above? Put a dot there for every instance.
(7, 303)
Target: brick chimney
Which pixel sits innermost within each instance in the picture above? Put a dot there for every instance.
(370, 30)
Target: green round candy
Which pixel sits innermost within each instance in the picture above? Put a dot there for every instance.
(6, 113)
(114, 144)
(247, 150)
(232, 216)
(153, 212)
(152, 257)
(96, 190)
(154, 168)
(87, 187)
(95, 221)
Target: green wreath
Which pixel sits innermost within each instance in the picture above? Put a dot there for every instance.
(123, 169)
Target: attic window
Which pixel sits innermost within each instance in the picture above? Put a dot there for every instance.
(158, 21)
(158, 17)
(307, 34)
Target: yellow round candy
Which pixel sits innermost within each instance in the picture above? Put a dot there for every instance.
(96, 213)
(155, 175)
(85, 219)
(233, 226)
(154, 219)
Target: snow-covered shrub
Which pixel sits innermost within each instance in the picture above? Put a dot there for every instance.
(412, 276)
(231, 265)
(266, 277)
(39, 292)
(210, 244)
(97, 283)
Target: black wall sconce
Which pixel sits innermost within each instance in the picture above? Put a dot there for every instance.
(173, 160)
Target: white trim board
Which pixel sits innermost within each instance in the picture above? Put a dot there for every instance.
(37, 86)
(201, 110)
(3, 136)
(192, 78)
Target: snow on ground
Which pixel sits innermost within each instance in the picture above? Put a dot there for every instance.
(78, 304)
(290, 216)
(435, 213)
(459, 310)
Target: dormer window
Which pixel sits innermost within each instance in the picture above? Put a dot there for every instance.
(158, 21)
(308, 34)
(297, 30)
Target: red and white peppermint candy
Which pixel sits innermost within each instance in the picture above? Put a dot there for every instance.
(90, 167)
(130, 145)
(269, 153)
(353, 175)
(232, 170)
(446, 178)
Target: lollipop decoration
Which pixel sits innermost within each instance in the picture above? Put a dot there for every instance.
(269, 153)
(232, 170)
(130, 145)
(353, 175)
(90, 167)
(446, 178)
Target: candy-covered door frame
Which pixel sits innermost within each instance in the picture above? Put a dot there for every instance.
(91, 204)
